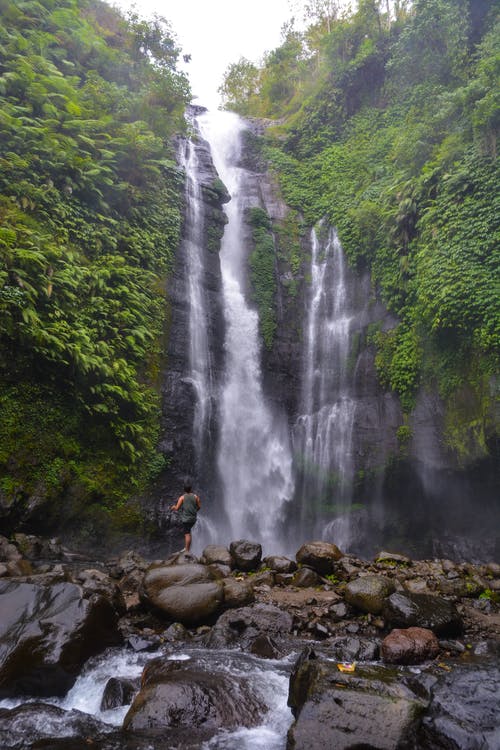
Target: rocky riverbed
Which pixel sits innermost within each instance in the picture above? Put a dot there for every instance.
(323, 650)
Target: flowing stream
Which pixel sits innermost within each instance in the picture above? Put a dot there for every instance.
(81, 715)
(254, 456)
(323, 433)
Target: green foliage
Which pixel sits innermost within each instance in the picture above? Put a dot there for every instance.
(262, 272)
(392, 135)
(90, 213)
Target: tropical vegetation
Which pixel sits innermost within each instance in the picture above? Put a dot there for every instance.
(386, 122)
(90, 214)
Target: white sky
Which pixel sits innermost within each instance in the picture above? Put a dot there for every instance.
(216, 33)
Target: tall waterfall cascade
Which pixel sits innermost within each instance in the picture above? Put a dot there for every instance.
(322, 435)
(254, 455)
(200, 369)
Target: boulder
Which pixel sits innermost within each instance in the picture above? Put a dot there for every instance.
(119, 692)
(464, 708)
(368, 593)
(192, 604)
(409, 646)
(183, 593)
(217, 554)
(183, 694)
(320, 556)
(240, 627)
(280, 564)
(246, 555)
(366, 709)
(405, 610)
(237, 593)
(42, 725)
(351, 648)
(96, 582)
(305, 578)
(393, 559)
(47, 633)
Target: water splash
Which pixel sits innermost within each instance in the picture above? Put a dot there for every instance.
(254, 458)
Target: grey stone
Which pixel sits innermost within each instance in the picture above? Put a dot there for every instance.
(47, 633)
(217, 554)
(320, 556)
(368, 593)
(246, 555)
(425, 611)
(368, 708)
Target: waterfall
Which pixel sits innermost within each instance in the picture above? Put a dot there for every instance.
(322, 434)
(254, 457)
(200, 370)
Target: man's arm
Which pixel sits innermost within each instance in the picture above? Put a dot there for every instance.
(198, 502)
(178, 503)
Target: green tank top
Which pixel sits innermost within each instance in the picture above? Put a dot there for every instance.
(189, 508)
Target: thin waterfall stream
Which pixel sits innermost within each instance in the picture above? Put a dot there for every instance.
(199, 351)
(322, 433)
(254, 456)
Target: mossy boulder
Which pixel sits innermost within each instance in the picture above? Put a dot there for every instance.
(369, 593)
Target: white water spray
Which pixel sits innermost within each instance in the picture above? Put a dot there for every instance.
(254, 458)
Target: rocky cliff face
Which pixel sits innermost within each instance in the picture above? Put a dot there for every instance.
(411, 487)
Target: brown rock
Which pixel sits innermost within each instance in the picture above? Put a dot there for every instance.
(409, 646)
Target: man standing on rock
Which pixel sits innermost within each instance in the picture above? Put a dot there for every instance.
(190, 504)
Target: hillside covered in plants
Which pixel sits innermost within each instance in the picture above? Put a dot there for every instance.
(90, 215)
(385, 121)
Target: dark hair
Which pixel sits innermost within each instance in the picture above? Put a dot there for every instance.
(187, 486)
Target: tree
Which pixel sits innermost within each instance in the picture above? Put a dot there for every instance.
(240, 84)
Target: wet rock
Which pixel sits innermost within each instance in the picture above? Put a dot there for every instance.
(119, 692)
(305, 578)
(237, 593)
(416, 586)
(349, 648)
(183, 593)
(176, 632)
(368, 708)
(493, 569)
(8, 551)
(96, 582)
(188, 696)
(47, 633)
(393, 559)
(217, 570)
(280, 564)
(338, 611)
(240, 627)
(246, 555)
(137, 644)
(265, 647)
(369, 593)
(217, 554)
(37, 725)
(320, 556)
(464, 709)
(425, 611)
(409, 646)
(34, 547)
(18, 568)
